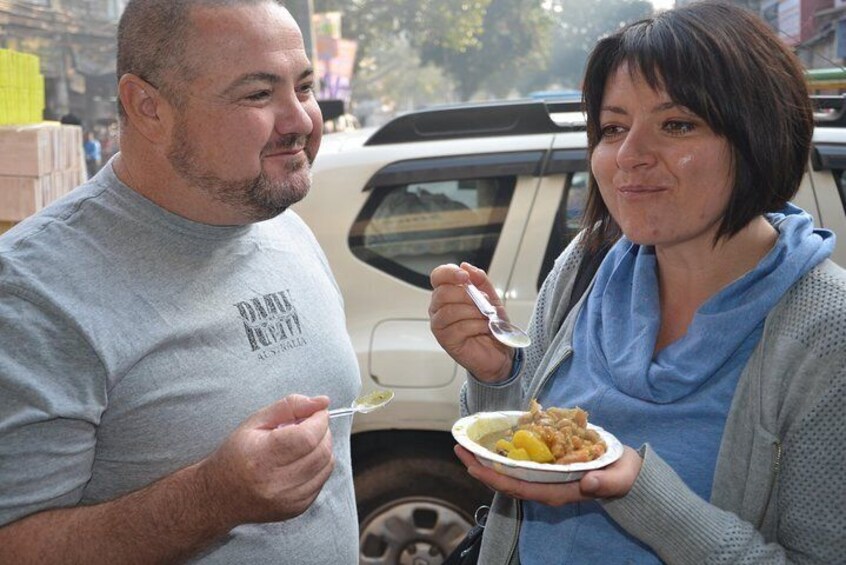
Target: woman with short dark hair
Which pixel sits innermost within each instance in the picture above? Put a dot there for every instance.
(711, 334)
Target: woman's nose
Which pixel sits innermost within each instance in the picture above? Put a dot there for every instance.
(637, 150)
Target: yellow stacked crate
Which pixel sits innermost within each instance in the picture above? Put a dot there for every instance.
(39, 97)
(5, 86)
(21, 88)
(39, 161)
(27, 87)
(15, 76)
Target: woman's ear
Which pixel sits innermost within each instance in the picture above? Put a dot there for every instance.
(146, 109)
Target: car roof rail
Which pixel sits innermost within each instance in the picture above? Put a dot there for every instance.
(489, 119)
(829, 110)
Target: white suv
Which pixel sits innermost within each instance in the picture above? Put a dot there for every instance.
(502, 186)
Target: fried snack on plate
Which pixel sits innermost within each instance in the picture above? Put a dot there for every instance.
(555, 435)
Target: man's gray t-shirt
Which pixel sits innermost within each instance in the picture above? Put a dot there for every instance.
(134, 341)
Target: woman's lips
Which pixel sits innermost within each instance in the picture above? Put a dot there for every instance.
(635, 191)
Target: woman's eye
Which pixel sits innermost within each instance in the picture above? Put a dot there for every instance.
(679, 127)
(610, 131)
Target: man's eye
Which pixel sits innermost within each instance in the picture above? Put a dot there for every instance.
(306, 88)
(258, 96)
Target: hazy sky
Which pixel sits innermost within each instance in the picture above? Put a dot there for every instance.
(663, 4)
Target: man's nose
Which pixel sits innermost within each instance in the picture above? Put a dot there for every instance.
(292, 116)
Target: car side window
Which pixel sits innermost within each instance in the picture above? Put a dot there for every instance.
(408, 230)
(567, 221)
(840, 180)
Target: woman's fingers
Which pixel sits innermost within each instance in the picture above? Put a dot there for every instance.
(448, 274)
(460, 329)
(613, 481)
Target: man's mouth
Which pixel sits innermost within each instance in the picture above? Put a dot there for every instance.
(285, 146)
(292, 151)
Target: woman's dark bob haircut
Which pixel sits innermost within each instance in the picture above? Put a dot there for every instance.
(727, 66)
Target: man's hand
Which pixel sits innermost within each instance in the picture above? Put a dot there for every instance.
(461, 329)
(260, 473)
(266, 473)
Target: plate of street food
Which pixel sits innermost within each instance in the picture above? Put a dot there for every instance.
(556, 445)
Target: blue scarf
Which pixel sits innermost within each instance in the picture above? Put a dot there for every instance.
(676, 400)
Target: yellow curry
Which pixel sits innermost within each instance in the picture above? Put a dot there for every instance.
(555, 435)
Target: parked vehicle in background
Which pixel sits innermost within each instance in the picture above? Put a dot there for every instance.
(503, 186)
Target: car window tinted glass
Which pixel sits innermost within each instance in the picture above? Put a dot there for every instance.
(840, 180)
(408, 230)
(567, 221)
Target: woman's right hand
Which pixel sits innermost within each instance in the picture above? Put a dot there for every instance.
(461, 329)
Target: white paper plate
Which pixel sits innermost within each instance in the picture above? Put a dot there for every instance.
(468, 430)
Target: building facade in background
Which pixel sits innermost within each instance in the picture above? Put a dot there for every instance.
(75, 41)
(826, 46)
(816, 29)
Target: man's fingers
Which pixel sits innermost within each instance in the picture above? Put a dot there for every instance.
(304, 406)
(304, 435)
(287, 410)
(305, 493)
(302, 446)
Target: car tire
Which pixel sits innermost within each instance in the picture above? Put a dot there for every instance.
(414, 505)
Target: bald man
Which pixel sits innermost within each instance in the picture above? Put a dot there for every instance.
(172, 333)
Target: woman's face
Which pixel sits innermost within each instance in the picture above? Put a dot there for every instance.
(664, 175)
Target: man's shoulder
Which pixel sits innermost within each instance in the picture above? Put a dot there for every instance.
(47, 234)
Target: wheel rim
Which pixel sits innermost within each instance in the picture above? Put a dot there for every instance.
(411, 531)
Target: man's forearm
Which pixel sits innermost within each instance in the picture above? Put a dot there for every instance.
(167, 521)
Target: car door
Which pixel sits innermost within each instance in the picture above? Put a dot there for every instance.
(822, 192)
(419, 214)
(554, 220)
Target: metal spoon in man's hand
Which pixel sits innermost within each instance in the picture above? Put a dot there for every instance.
(364, 403)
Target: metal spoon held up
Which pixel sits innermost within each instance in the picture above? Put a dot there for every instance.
(503, 331)
(364, 403)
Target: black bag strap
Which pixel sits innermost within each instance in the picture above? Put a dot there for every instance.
(588, 266)
(467, 552)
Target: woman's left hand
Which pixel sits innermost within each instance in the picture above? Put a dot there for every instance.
(613, 481)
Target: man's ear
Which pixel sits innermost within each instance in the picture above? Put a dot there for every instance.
(146, 109)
